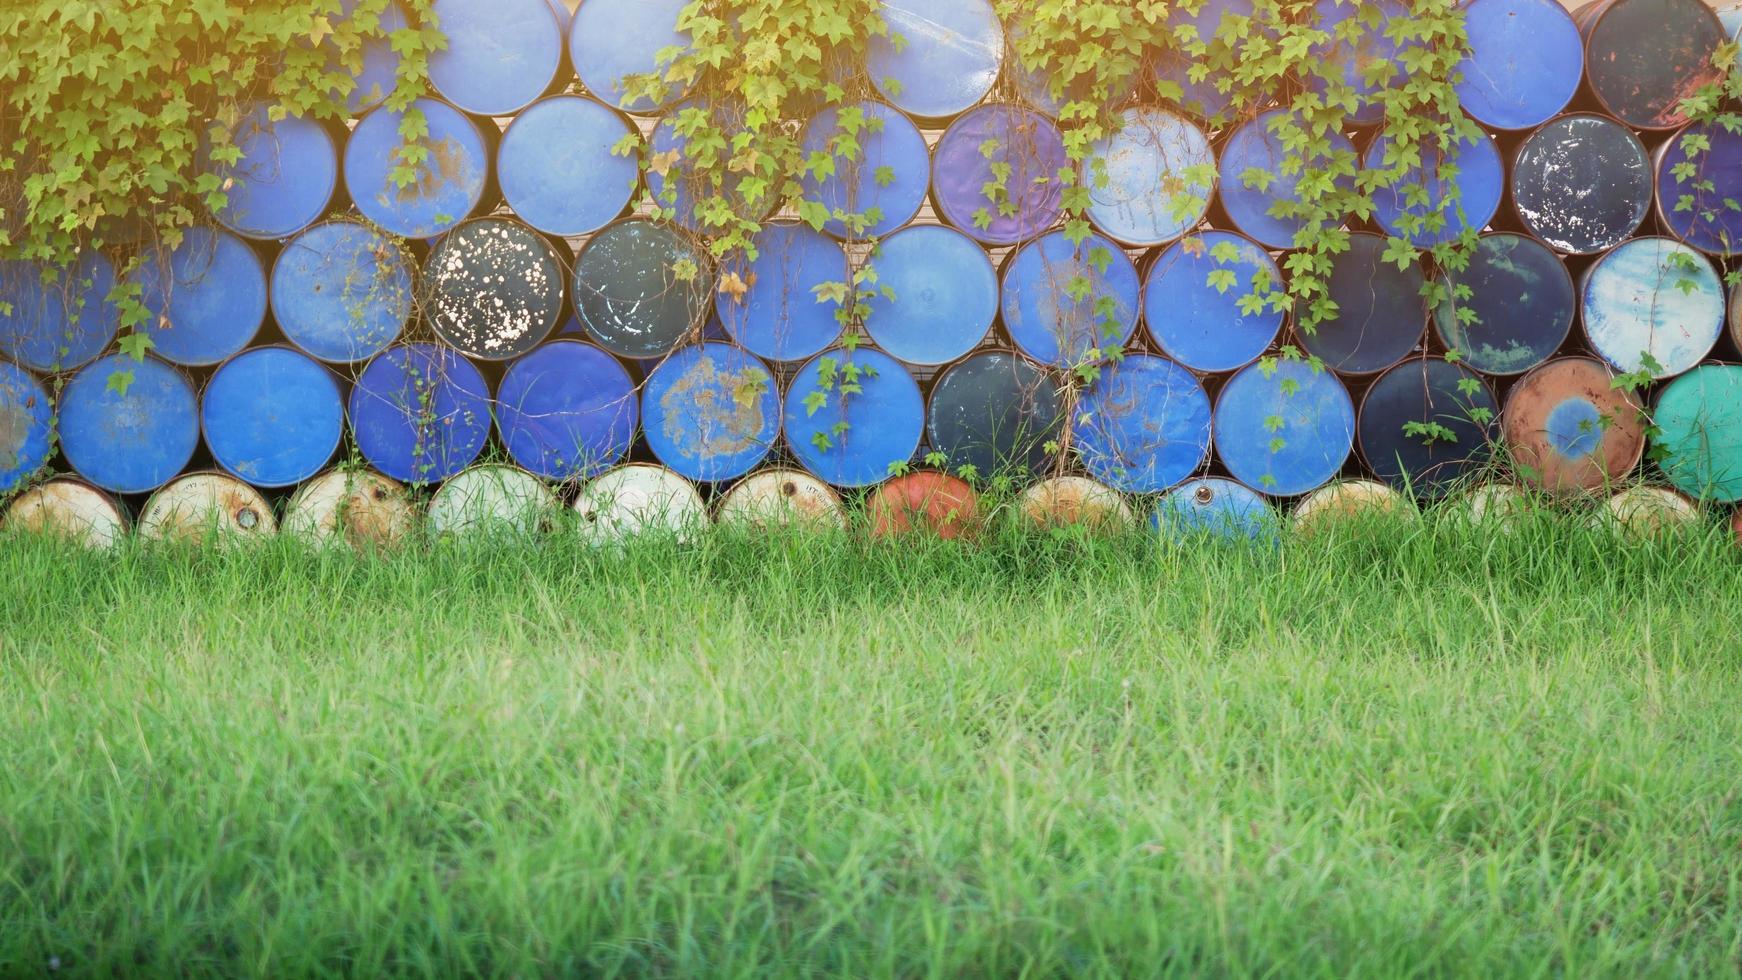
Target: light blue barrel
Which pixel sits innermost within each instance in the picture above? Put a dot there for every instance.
(712, 412)
(945, 295)
(420, 413)
(1019, 143)
(62, 324)
(1144, 426)
(26, 418)
(1159, 175)
(1466, 200)
(272, 416)
(1284, 427)
(1652, 296)
(1699, 432)
(448, 183)
(1035, 85)
(1348, 61)
(283, 181)
(1201, 301)
(780, 315)
(676, 185)
(501, 55)
(132, 442)
(1201, 98)
(377, 73)
(1525, 63)
(566, 411)
(565, 18)
(557, 170)
(946, 60)
(612, 40)
(1055, 325)
(879, 169)
(1212, 507)
(341, 291)
(206, 302)
(848, 417)
(1255, 186)
(1704, 208)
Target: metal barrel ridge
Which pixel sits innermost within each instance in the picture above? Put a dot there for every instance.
(1380, 317)
(963, 166)
(628, 293)
(1521, 307)
(1459, 426)
(567, 410)
(1159, 177)
(59, 325)
(1652, 297)
(1699, 422)
(947, 59)
(1582, 183)
(1569, 430)
(1453, 205)
(946, 295)
(1051, 323)
(1254, 180)
(492, 498)
(711, 412)
(133, 441)
(1644, 57)
(1201, 318)
(285, 178)
(272, 416)
(1216, 508)
(1525, 64)
(420, 413)
(611, 41)
(1284, 429)
(925, 503)
(204, 508)
(205, 300)
(558, 170)
(341, 291)
(448, 183)
(1702, 209)
(1144, 426)
(500, 56)
(995, 412)
(67, 508)
(778, 313)
(851, 438)
(881, 169)
(26, 419)
(493, 288)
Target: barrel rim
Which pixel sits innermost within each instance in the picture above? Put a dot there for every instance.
(264, 349)
(427, 283)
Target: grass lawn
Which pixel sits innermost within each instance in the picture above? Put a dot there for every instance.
(1434, 751)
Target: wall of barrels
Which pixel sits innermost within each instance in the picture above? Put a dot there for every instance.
(339, 356)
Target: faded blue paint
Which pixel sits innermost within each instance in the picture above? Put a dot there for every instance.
(1216, 508)
(341, 291)
(1525, 63)
(1203, 326)
(1144, 425)
(26, 416)
(711, 411)
(888, 169)
(449, 182)
(210, 301)
(1253, 146)
(780, 315)
(283, 181)
(61, 325)
(272, 416)
(948, 59)
(566, 411)
(1523, 301)
(1656, 296)
(557, 169)
(500, 56)
(133, 442)
(610, 40)
(1043, 319)
(946, 294)
(1286, 431)
(1150, 194)
(852, 441)
(1468, 200)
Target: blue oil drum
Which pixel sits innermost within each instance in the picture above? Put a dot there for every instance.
(1211, 507)
(1652, 296)
(283, 181)
(341, 291)
(556, 168)
(1348, 60)
(676, 186)
(1201, 98)
(500, 57)
(566, 411)
(1253, 149)
(60, 325)
(1428, 391)
(1699, 421)
(1201, 318)
(1381, 315)
(947, 59)
(995, 412)
(611, 40)
(627, 290)
(1582, 183)
(852, 439)
(1151, 194)
(1034, 85)
(209, 302)
(999, 135)
(712, 412)
(26, 417)
(133, 442)
(1525, 63)
(377, 75)
(946, 295)
(420, 413)
(1284, 427)
(1522, 300)
(1468, 200)
(1643, 57)
(882, 168)
(493, 288)
(1043, 319)
(780, 316)
(449, 183)
(272, 416)
(1703, 209)
(1144, 426)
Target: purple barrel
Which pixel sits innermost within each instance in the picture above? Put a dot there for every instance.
(1005, 135)
(1381, 315)
(1582, 183)
(1698, 190)
(420, 413)
(1525, 63)
(1643, 57)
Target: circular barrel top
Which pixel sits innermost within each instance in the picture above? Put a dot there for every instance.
(1144, 425)
(639, 499)
(1284, 427)
(130, 441)
(945, 294)
(567, 410)
(1582, 183)
(272, 416)
(446, 186)
(1656, 297)
(1347, 60)
(357, 507)
(420, 413)
(779, 314)
(1520, 309)
(1568, 429)
(1201, 98)
(557, 168)
(1159, 177)
(999, 136)
(378, 74)
(285, 178)
(1457, 408)
(26, 417)
(1702, 207)
(501, 55)
(782, 497)
(1453, 205)
(493, 288)
(925, 503)
(1215, 507)
(62, 324)
(1202, 301)
(850, 416)
(1056, 324)
(1254, 178)
(207, 301)
(995, 412)
(206, 508)
(612, 40)
(711, 411)
(1074, 501)
(946, 60)
(1525, 63)
(631, 291)
(492, 498)
(1381, 315)
(878, 169)
(1699, 423)
(341, 291)
(69, 509)
(1643, 57)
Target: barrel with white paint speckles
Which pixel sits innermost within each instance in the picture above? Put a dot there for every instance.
(947, 61)
(1582, 183)
(711, 411)
(448, 185)
(627, 292)
(1656, 297)
(493, 288)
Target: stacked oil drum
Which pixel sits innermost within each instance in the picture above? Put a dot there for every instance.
(508, 329)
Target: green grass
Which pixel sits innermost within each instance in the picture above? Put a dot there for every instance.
(1436, 751)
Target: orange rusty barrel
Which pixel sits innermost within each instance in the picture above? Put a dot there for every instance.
(926, 502)
(1075, 501)
(1568, 430)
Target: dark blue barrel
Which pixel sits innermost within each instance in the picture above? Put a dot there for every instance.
(62, 324)
(629, 294)
(341, 291)
(1159, 177)
(1200, 301)
(946, 60)
(1582, 183)
(611, 40)
(566, 411)
(1525, 63)
(946, 294)
(26, 417)
(850, 416)
(420, 413)
(378, 72)
(712, 412)
(779, 314)
(448, 182)
(1520, 309)
(1201, 98)
(207, 301)
(283, 181)
(1652, 296)
(131, 442)
(1429, 391)
(1643, 57)
(501, 55)
(493, 288)
(1381, 315)
(996, 412)
(1467, 200)
(1703, 209)
(1051, 324)
(1254, 184)
(1284, 427)
(879, 171)
(1023, 140)
(1144, 425)
(1348, 60)
(272, 416)
(1215, 508)
(557, 169)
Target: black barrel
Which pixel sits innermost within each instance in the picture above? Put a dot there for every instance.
(641, 289)
(994, 411)
(1520, 310)
(1582, 183)
(1643, 57)
(1381, 316)
(493, 288)
(1461, 426)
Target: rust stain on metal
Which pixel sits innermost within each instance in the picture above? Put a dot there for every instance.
(1569, 430)
(445, 165)
(931, 503)
(710, 412)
